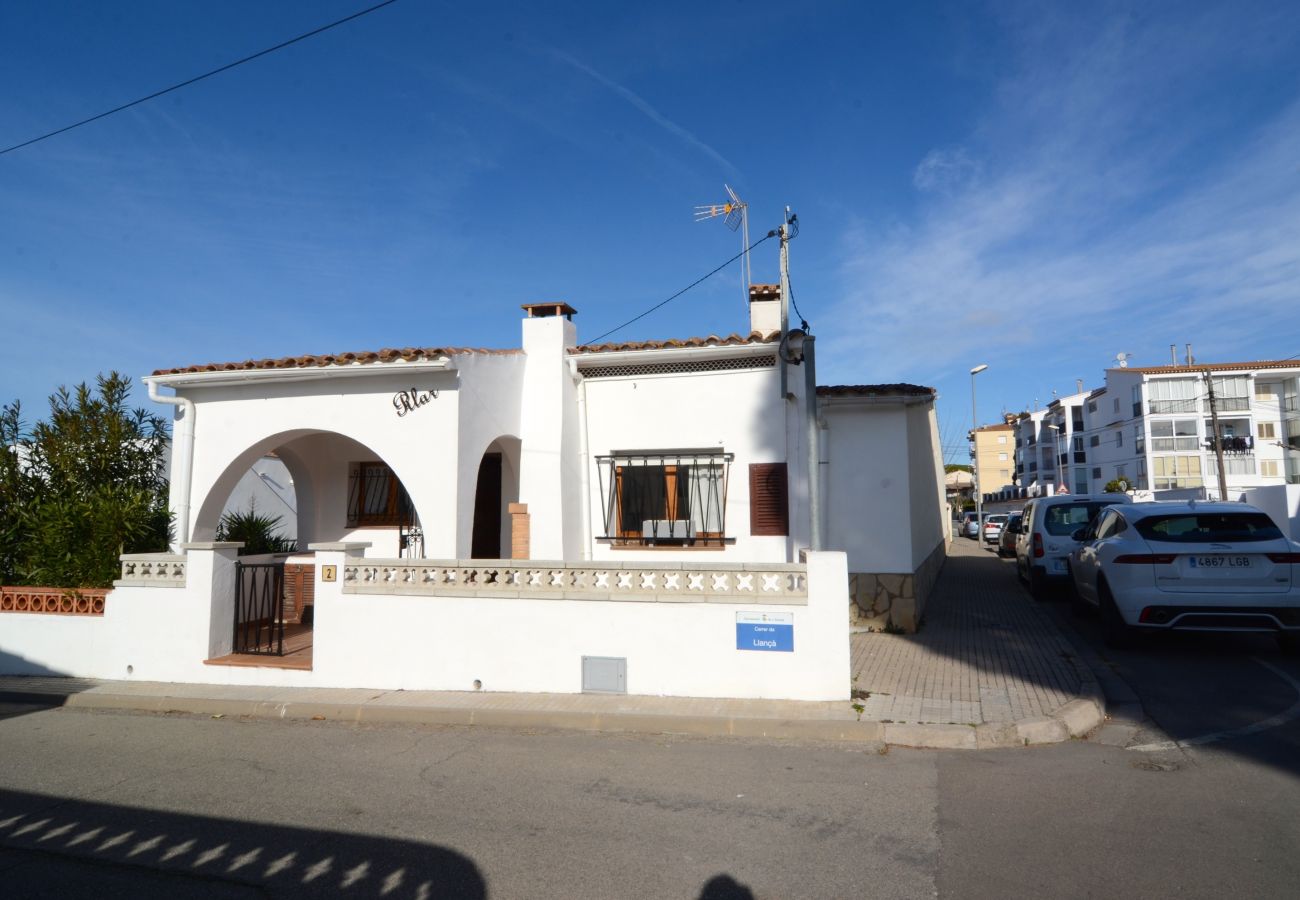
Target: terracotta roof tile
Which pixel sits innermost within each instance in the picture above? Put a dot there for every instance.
(874, 390)
(1213, 367)
(679, 343)
(308, 361)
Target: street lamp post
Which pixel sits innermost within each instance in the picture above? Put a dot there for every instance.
(975, 469)
(1060, 477)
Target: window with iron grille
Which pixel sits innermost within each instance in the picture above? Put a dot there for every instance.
(376, 496)
(665, 497)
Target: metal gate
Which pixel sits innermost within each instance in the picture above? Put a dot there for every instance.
(259, 608)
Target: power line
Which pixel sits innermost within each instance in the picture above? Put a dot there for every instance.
(700, 280)
(197, 78)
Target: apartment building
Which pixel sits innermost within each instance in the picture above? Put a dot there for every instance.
(993, 456)
(1154, 426)
(1051, 446)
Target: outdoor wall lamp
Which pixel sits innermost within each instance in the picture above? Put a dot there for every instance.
(791, 349)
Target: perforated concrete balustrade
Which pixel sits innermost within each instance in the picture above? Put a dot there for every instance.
(152, 570)
(665, 583)
(60, 601)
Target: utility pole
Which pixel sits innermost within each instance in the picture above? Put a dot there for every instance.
(784, 233)
(1218, 437)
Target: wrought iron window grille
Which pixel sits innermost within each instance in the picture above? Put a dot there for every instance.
(673, 498)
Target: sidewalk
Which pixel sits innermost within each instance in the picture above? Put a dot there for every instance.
(988, 669)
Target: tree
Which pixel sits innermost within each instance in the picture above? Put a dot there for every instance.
(83, 487)
(1117, 486)
(949, 468)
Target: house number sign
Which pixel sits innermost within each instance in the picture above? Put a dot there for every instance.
(411, 400)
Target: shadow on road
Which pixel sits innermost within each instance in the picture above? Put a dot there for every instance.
(70, 848)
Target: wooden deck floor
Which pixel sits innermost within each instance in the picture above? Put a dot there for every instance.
(297, 652)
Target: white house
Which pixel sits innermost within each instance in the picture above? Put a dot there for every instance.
(553, 517)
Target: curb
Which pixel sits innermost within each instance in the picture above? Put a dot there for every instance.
(1074, 719)
(643, 723)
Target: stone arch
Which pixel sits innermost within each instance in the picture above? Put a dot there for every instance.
(320, 487)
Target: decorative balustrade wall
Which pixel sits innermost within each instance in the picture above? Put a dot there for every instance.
(664, 583)
(60, 601)
(152, 570)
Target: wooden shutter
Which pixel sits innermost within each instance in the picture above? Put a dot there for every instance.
(769, 506)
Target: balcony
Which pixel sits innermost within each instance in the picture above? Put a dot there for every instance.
(1243, 464)
(1243, 444)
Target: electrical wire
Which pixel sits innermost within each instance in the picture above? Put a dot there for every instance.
(700, 280)
(197, 78)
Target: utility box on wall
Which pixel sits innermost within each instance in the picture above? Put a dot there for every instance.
(604, 675)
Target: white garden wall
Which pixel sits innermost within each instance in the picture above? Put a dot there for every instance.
(409, 638)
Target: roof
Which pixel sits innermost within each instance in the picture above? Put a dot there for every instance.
(764, 292)
(1213, 367)
(1002, 426)
(712, 340)
(308, 361)
(874, 390)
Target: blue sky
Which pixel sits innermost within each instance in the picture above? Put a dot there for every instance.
(1032, 186)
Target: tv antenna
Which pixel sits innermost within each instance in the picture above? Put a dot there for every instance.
(736, 215)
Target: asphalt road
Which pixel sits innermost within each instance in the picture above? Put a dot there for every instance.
(121, 805)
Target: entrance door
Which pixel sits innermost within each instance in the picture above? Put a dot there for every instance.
(486, 542)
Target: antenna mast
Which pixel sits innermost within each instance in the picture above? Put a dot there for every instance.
(736, 212)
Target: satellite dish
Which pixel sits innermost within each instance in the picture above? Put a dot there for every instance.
(1122, 359)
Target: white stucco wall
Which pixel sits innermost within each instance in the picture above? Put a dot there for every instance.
(737, 411)
(445, 643)
(869, 495)
(926, 505)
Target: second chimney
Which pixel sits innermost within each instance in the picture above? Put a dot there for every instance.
(765, 308)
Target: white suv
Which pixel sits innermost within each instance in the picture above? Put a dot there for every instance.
(1047, 536)
(1196, 566)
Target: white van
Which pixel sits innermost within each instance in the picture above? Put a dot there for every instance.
(1047, 536)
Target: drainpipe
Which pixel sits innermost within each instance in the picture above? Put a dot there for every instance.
(182, 457)
(585, 480)
(814, 445)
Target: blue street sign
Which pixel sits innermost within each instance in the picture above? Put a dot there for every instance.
(772, 632)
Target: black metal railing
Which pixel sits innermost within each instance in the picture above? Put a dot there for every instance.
(259, 608)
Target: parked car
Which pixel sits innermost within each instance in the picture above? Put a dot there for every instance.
(1185, 565)
(1047, 536)
(970, 525)
(1007, 540)
(993, 525)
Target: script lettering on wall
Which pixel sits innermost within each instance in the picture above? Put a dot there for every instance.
(411, 400)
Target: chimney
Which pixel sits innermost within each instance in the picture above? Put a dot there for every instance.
(545, 310)
(1189, 354)
(1173, 354)
(1078, 385)
(765, 308)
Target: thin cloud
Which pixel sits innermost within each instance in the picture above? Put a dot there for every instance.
(1095, 225)
(649, 111)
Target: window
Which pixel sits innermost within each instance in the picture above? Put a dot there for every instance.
(1002, 457)
(1232, 392)
(1268, 468)
(1119, 438)
(1174, 434)
(1176, 472)
(1092, 406)
(1081, 481)
(1199, 528)
(1096, 472)
(376, 497)
(1173, 395)
(1002, 439)
(1116, 404)
(1139, 438)
(1264, 391)
(1005, 473)
(1137, 399)
(1094, 441)
(1067, 518)
(1267, 430)
(674, 498)
(1119, 472)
